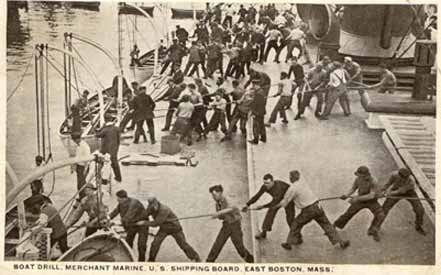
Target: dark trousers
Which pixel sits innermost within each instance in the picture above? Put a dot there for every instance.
(261, 51)
(333, 94)
(271, 214)
(308, 214)
(169, 116)
(259, 130)
(196, 119)
(140, 130)
(183, 127)
(180, 240)
(372, 205)
(233, 231)
(231, 67)
(291, 44)
(307, 96)
(174, 66)
(143, 233)
(115, 167)
(62, 242)
(272, 44)
(213, 65)
(218, 118)
(417, 207)
(126, 119)
(194, 69)
(81, 178)
(283, 44)
(280, 109)
(237, 116)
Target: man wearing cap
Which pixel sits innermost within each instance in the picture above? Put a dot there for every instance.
(231, 226)
(175, 53)
(143, 111)
(91, 205)
(82, 150)
(402, 185)
(276, 189)
(258, 113)
(110, 140)
(310, 209)
(265, 82)
(131, 211)
(168, 223)
(367, 188)
(181, 34)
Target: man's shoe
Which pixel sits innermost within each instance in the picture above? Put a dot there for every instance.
(345, 244)
(298, 242)
(285, 121)
(153, 142)
(420, 230)
(253, 141)
(297, 117)
(268, 124)
(286, 246)
(225, 138)
(164, 129)
(374, 235)
(261, 236)
(263, 140)
(135, 142)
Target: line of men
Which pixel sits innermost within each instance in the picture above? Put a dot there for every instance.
(400, 185)
(136, 219)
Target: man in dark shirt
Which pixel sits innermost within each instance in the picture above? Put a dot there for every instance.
(265, 82)
(110, 140)
(175, 53)
(231, 227)
(143, 111)
(402, 184)
(168, 223)
(367, 198)
(131, 211)
(181, 34)
(172, 96)
(277, 189)
(258, 113)
(214, 58)
(242, 14)
(299, 78)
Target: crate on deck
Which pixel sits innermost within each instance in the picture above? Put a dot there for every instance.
(170, 145)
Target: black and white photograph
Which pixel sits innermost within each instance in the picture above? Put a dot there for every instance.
(220, 133)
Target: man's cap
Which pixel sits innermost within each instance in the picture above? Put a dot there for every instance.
(362, 171)
(404, 172)
(122, 194)
(348, 59)
(39, 158)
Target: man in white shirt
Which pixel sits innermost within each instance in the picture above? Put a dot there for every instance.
(337, 90)
(82, 150)
(305, 200)
(183, 115)
(295, 40)
(273, 37)
(285, 93)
